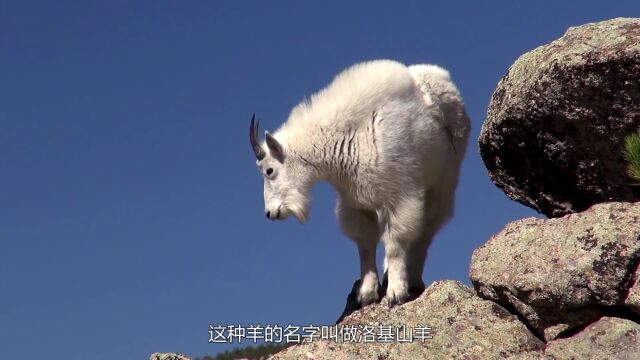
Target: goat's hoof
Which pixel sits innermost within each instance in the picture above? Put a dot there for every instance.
(397, 294)
(368, 293)
(392, 300)
(416, 290)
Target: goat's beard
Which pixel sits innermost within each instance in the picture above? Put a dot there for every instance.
(298, 204)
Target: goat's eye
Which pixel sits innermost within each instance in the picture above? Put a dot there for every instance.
(269, 171)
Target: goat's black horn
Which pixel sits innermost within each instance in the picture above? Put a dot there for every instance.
(253, 138)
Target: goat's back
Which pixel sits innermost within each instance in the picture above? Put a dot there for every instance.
(356, 92)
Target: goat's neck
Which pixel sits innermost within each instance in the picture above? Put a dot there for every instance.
(332, 153)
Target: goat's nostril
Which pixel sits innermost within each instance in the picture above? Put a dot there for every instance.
(268, 214)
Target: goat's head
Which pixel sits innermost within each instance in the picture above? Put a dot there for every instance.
(286, 181)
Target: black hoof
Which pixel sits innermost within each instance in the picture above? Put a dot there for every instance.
(395, 301)
(382, 290)
(352, 302)
(416, 291)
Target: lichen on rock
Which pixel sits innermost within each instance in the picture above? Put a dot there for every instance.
(561, 273)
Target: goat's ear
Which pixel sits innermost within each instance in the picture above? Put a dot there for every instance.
(275, 148)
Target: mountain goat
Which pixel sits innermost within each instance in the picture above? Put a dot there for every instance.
(390, 139)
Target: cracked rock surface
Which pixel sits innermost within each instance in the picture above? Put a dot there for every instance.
(555, 125)
(562, 273)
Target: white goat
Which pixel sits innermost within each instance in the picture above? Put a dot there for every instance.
(390, 139)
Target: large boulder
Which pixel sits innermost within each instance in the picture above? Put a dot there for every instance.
(555, 126)
(560, 274)
(463, 326)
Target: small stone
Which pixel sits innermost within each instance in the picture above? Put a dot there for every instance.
(168, 356)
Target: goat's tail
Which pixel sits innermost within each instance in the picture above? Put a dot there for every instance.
(443, 98)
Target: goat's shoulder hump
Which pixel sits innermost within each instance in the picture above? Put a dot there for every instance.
(372, 73)
(356, 88)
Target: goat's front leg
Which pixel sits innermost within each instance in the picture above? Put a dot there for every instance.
(361, 226)
(402, 226)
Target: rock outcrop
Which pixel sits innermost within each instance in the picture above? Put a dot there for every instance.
(559, 274)
(562, 288)
(462, 326)
(555, 126)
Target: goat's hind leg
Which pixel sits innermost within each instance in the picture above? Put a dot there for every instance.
(438, 209)
(417, 255)
(402, 228)
(419, 249)
(361, 226)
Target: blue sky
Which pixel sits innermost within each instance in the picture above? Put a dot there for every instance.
(131, 211)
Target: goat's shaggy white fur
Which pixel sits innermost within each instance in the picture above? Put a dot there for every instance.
(390, 139)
